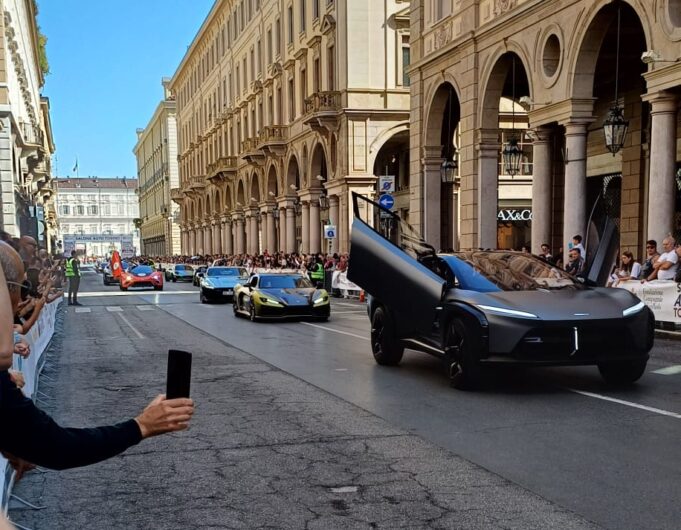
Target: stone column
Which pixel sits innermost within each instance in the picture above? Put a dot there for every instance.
(431, 163)
(270, 231)
(217, 237)
(290, 230)
(335, 220)
(542, 173)
(662, 187)
(315, 232)
(305, 247)
(253, 235)
(207, 245)
(574, 214)
(227, 247)
(192, 241)
(488, 182)
(240, 248)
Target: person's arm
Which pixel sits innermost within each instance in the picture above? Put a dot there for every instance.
(33, 436)
(37, 308)
(6, 325)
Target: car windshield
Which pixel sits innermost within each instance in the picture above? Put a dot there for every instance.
(227, 271)
(181, 268)
(284, 282)
(142, 269)
(507, 271)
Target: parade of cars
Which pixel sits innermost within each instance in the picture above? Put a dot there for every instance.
(141, 276)
(218, 283)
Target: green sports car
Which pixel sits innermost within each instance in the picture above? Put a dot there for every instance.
(279, 296)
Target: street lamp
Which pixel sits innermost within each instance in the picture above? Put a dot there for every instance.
(323, 202)
(450, 165)
(511, 152)
(615, 126)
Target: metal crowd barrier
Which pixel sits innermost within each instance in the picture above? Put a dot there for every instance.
(38, 339)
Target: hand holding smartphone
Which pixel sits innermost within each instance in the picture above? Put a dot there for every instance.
(179, 374)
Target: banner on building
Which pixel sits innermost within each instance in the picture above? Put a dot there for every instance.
(662, 297)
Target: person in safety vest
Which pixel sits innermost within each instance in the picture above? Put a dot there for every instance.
(316, 271)
(72, 272)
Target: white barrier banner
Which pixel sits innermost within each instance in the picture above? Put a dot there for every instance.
(340, 281)
(37, 338)
(662, 297)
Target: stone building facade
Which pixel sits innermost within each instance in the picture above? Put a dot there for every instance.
(563, 64)
(157, 173)
(26, 143)
(284, 108)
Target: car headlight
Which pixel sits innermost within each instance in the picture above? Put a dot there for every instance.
(633, 309)
(270, 301)
(321, 300)
(507, 312)
(208, 285)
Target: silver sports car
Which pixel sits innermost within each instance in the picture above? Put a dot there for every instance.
(477, 308)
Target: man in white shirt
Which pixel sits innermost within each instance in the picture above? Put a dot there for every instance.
(665, 266)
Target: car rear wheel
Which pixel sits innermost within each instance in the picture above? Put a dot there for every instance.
(461, 361)
(106, 282)
(174, 279)
(386, 348)
(622, 372)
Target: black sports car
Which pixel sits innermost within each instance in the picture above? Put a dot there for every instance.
(478, 308)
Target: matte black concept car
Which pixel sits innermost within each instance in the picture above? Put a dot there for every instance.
(478, 308)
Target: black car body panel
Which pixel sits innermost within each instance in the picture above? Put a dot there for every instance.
(518, 308)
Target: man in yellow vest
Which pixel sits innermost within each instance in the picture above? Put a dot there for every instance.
(72, 272)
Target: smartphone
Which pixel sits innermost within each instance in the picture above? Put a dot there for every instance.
(179, 374)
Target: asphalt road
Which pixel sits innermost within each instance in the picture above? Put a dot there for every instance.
(610, 455)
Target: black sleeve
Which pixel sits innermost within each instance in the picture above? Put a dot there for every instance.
(29, 433)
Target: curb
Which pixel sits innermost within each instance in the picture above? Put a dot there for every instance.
(669, 335)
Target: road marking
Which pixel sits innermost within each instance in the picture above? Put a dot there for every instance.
(83, 310)
(344, 489)
(669, 370)
(627, 403)
(99, 294)
(340, 370)
(139, 335)
(335, 330)
(114, 309)
(145, 308)
(361, 311)
(345, 304)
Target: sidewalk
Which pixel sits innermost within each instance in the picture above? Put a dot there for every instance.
(264, 449)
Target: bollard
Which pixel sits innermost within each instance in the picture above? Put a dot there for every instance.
(361, 295)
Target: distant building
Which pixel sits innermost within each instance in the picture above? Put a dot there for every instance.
(25, 131)
(97, 212)
(156, 153)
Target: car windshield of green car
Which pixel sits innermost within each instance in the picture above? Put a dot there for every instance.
(284, 282)
(227, 271)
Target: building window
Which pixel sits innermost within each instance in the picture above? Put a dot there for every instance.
(80, 210)
(258, 57)
(120, 228)
(291, 100)
(331, 62)
(406, 59)
(252, 64)
(303, 88)
(79, 229)
(65, 209)
(92, 229)
(290, 24)
(302, 16)
(279, 105)
(106, 229)
(315, 9)
(277, 36)
(316, 75)
(269, 46)
(92, 210)
(245, 71)
(441, 8)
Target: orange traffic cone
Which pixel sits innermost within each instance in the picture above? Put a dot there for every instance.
(361, 295)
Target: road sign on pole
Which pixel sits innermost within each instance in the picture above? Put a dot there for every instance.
(387, 201)
(386, 184)
(330, 231)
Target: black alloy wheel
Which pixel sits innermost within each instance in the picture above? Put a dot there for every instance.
(461, 362)
(622, 372)
(387, 349)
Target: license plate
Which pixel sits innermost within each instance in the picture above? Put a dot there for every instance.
(227, 293)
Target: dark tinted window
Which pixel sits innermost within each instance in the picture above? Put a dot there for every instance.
(227, 271)
(182, 268)
(284, 282)
(141, 269)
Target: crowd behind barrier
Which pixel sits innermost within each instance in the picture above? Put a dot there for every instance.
(38, 338)
(663, 297)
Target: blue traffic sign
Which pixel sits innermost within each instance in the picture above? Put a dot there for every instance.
(386, 200)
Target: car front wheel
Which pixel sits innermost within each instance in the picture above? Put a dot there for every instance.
(386, 348)
(461, 361)
(251, 313)
(202, 297)
(622, 372)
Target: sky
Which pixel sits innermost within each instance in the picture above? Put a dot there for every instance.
(106, 64)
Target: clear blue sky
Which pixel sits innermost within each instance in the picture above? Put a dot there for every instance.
(106, 62)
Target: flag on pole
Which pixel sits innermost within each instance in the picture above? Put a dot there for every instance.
(116, 264)
(75, 167)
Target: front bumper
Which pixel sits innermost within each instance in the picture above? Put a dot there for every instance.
(292, 312)
(219, 293)
(575, 342)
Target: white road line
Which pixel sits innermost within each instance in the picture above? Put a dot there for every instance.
(627, 403)
(146, 292)
(669, 370)
(83, 310)
(114, 309)
(348, 312)
(335, 331)
(139, 335)
(145, 308)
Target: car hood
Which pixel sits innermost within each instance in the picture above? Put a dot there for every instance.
(223, 281)
(572, 304)
(301, 296)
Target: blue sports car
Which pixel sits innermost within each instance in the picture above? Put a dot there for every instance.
(218, 283)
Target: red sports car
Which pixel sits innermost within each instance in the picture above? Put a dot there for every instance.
(142, 276)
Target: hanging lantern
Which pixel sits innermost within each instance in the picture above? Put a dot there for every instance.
(448, 169)
(511, 155)
(615, 129)
(323, 202)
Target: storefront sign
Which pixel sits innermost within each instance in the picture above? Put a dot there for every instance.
(514, 215)
(662, 297)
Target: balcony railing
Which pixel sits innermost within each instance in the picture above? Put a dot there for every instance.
(323, 102)
(197, 183)
(274, 134)
(32, 135)
(176, 194)
(249, 145)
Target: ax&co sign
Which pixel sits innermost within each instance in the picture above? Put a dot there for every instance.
(514, 215)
